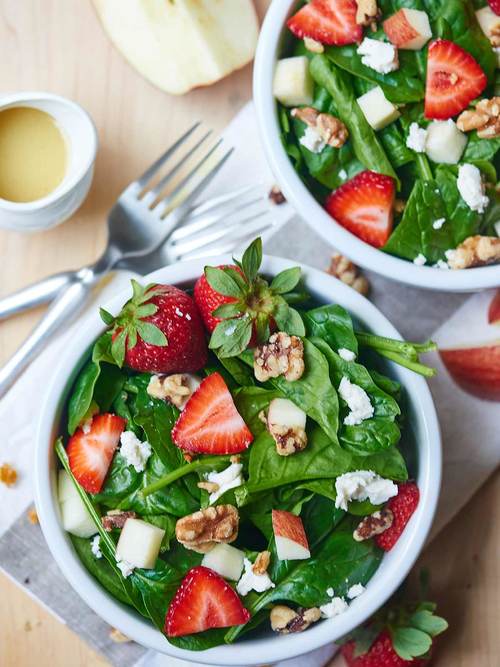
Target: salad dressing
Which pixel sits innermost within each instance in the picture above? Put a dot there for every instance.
(33, 154)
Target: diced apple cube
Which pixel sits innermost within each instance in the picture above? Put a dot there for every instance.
(284, 412)
(293, 84)
(377, 109)
(408, 29)
(75, 518)
(489, 22)
(139, 543)
(225, 560)
(445, 142)
(290, 536)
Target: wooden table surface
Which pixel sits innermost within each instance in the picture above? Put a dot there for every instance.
(59, 46)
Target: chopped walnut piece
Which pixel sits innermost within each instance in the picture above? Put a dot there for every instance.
(368, 13)
(494, 36)
(313, 45)
(187, 457)
(8, 474)
(374, 524)
(288, 440)
(281, 355)
(176, 389)
(399, 205)
(261, 562)
(475, 251)
(285, 620)
(202, 530)
(118, 637)
(235, 458)
(342, 268)
(331, 129)
(276, 196)
(33, 516)
(485, 118)
(116, 519)
(210, 487)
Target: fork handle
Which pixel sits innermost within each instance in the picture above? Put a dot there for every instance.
(35, 294)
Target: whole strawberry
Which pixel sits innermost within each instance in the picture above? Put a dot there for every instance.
(380, 654)
(240, 308)
(158, 330)
(402, 507)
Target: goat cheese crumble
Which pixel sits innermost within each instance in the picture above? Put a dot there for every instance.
(380, 56)
(471, 188)
(226, 479)
(343, 174)
(312, 140)
(135, 452)
(357, 400)
(355, 591)
(250, 581)
(420, 259)
(437, 224)
(125, 568)
(363, 485)
(345, 354)
(441, 264)
(333, 608)
(95, 546)
(417, 138)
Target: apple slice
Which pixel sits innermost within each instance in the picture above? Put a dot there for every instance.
(475, 370)
(494, 309)
(293, 84)
(180, 45)
(75, 518)
(488, 21)
(377, 109)
(225, 560)
(139, 543)
(408, 29)
(445, 143)
(290, 536)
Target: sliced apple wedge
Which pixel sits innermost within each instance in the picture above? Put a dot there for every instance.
(225, 560)
(445, 143)
(377, 109)
(75, 518)
(183, 44)
(475, 370)
(408, 29)
(290, 536)
(139, 543)
(488, 21)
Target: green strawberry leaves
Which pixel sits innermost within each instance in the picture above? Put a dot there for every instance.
(130, 324)
(257, 304)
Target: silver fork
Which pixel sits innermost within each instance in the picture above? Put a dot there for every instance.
(138, 224)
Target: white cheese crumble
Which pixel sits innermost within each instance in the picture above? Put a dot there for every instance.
(311, 139)
(125, 568)
(471, 188)
(333, 608)
(441, 264)
(345, 354)
(355, 591)
(417, 138)
(226, 479)
(420, 259)
(330, 592)
(357, 400)
(380, 56)
(253, 582)
(450, 255)
(437, 224)
(135, 452)
(363, 485)
(95, 546)
(497, 224)
(343, 174)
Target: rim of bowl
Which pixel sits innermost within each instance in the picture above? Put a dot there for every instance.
(395, 268)
(61, 190)
(253, 651)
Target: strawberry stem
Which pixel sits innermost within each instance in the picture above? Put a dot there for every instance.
(210, 462)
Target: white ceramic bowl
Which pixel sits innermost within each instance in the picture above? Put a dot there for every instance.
(81, 139)
(395, 565)
(269, 50)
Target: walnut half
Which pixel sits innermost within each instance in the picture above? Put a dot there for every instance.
(330, 128)
(475, 251)
(176, 389)
(281, 355)
(374, 524)
(285, 620)
(342, 268)
(485, 118)
(368, 13)
(202, 530)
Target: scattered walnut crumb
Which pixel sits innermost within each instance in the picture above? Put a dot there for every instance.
(288, 440)
(261, 562)
(276, 196)
(285, 620)
(399, 206)
(342, 268)
(368, 13)
(32, 516)
(485, 118)
(475, 251)
(187, 457)
(374, 524)
(235, 458)
(118, 637)
(313, 45)
(172, 388)
(281, 355)
(202, 530)
(116, 519)
(330, 128)
(210, 487)
(8, 474)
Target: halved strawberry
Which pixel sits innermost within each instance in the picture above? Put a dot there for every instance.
(90, 454)
(210, 423)
(328, 22)
(364, 206)
(495, 6)
(203, 601)
(402, 507)
(454, 79)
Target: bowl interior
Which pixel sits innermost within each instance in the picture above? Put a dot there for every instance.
(272, 40)
(395, 565)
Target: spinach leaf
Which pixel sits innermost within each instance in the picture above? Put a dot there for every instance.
(333, 324)
(366, 145)
(480, 149)
(250, 401)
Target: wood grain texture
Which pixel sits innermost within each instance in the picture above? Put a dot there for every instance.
(59, 46)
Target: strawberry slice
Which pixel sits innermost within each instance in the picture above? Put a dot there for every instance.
(328, 22)
(210, 423)
(454, 79)
(402, 507)
(203, 601)
(495, 6)
(364, 206)
(90, 454)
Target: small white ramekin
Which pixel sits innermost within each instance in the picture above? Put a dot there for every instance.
(269, 49)
(80, 134)
(268, 648)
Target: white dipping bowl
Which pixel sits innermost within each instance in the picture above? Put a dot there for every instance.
(270, 647)
(80, 135)
(269, 50)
